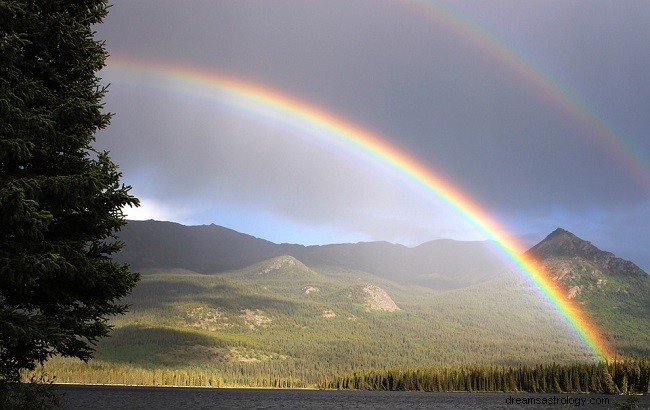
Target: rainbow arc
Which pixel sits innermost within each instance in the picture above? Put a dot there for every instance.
(575, 110)
(313, 122)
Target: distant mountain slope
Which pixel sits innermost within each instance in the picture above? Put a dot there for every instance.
(439, 264)
(615, 292)
(206, 248)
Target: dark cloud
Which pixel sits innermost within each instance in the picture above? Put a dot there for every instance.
(440, 94)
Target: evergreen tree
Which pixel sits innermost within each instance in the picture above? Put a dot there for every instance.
(60, 200)
(608, 382)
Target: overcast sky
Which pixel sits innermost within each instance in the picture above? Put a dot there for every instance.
(537, 110)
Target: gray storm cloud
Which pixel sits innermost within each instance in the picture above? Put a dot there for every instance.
(187, 152)
(428, 88)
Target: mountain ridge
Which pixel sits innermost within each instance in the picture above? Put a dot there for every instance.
(441, 263)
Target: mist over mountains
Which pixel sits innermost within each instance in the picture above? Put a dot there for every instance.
(439, 264)
(442, 264)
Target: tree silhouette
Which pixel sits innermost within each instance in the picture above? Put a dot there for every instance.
(60, 200)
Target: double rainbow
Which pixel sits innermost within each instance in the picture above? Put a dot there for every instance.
(314, 122)
(569, 105)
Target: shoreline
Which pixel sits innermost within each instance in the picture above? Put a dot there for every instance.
(337, 390)
(188, 387)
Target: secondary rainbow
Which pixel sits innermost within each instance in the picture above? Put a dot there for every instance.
(548, 89)
(314, 122)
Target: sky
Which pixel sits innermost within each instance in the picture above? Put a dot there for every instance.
(536, 111)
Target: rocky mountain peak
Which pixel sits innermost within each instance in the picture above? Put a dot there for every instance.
(562, 244)
(559, 232)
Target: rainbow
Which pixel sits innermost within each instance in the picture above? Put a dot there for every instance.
(317, 123)
(572, 107)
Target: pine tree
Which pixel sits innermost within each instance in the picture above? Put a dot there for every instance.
(60, 200)
(609, 387)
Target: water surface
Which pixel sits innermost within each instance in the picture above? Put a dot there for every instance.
(162, 398)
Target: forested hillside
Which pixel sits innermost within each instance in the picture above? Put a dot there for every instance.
(283, 322)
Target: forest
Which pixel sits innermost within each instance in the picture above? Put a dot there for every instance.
(628, 376)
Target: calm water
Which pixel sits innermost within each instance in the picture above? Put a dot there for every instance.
(160, 398)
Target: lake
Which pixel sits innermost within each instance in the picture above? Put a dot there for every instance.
(160, 398)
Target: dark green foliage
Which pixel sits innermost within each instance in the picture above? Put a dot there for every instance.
(38, 393)
(552, 378)
(60, 200)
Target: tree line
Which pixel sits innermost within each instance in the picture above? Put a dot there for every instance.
(627, 376)
(619, 377)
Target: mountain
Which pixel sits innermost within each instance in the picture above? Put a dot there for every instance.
(561, 244)
(206, 248)
(614, 291)
(216, 307)
(440, 264)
